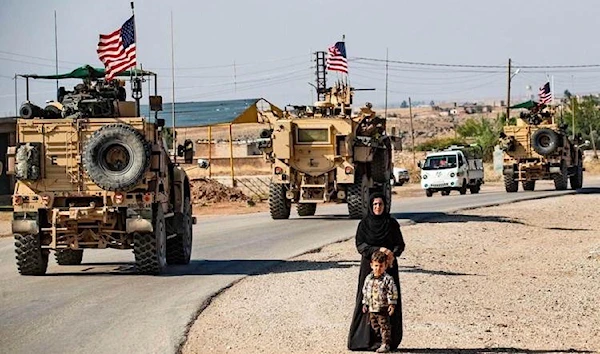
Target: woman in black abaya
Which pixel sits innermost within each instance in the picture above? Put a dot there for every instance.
(378, 231)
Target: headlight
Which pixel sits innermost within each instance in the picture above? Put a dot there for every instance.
(452, 174)
(424, 176)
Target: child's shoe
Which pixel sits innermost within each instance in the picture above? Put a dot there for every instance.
(383, 349)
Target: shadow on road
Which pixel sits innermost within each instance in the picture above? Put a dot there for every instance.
(487, 350)
(232, 267)
(589, 190)
(442, 218)
(415, 269)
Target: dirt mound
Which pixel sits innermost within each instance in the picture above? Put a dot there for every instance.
(208, 191)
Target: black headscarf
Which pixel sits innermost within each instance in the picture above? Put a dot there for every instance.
(374, 229)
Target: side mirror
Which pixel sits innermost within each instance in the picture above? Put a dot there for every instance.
(420, 164)
(202, 163)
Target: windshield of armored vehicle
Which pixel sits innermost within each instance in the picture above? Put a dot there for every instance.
(440, 162)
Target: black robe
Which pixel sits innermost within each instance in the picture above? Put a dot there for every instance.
(361, 336)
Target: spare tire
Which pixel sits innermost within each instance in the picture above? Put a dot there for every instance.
(29, 110)
(116, 157)
(51, 111)
(545, 141)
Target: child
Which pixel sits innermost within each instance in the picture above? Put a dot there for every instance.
(379, 299)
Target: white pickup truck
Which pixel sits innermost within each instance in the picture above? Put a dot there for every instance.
(455, 168)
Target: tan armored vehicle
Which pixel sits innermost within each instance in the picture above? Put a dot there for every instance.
(323, 154)
(91, 173)
(537, 148)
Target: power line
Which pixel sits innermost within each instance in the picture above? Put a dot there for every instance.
(480, 66)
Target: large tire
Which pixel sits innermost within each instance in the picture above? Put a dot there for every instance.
(68, 256)
(31, 258)
(29, 110)
(279, 205)
(179, 248)
(545, 141)
(529, 185)
(510, 184)
(357, 196)
(463, 188)
(561, 180)
(116, 157)
(149, 249)
(306, 209)
(428, 193)
(51, 111)
(577, 179)
(474, 189)
(380, 166)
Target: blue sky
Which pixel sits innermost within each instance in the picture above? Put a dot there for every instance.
(241, 49)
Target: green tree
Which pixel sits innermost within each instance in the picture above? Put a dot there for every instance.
(404, 104)
(587, 117)
(483, 132)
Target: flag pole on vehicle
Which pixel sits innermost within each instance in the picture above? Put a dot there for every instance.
(117, 51)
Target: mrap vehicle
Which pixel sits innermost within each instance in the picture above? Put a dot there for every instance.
(91, 173)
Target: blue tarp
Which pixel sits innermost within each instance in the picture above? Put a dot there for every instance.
(194, 114)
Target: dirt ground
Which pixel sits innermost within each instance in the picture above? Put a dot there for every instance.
(521, 277)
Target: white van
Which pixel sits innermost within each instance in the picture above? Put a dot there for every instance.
(455, 168)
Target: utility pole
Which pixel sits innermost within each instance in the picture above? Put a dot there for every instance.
(386, 83)
(412, 131)
(508, 93)
(573, 116)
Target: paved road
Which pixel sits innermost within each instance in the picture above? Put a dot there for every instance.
(101, 307)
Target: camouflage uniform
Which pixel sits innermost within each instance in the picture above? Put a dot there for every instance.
(378, 294)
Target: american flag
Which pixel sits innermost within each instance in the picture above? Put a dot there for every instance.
(336, 60)
(117, 50)
(545, 94)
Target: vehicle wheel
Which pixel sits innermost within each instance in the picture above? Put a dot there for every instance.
(279, 205)
(463, 188)
(445, 193)
(400, 183)
(381, 166)
(29, 110)
(179, 248)
(545, 141)
(31, 258)
(510, 185)
(68, 256)
(358, 197)
(51, 111)
(428, 193)
(577, 179)
(474, 189)
(560, 179)
(116, 157)
(306, 209)
(528, 185)
(150, 249)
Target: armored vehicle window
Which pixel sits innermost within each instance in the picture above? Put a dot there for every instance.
(308, 136)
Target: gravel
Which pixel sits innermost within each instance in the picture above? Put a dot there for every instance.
(521, 277)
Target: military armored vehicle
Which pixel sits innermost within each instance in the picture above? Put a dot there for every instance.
(323, 153)
(92, 173)
(538, 148)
